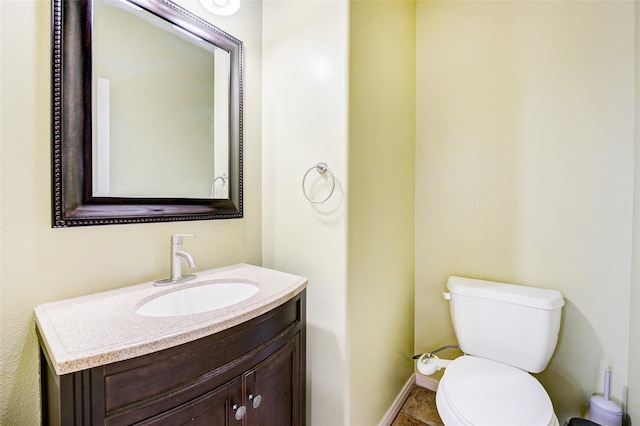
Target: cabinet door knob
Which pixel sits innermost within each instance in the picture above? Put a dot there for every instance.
(240, 410)
(255, 400)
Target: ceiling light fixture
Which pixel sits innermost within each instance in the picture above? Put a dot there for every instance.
(221, 7)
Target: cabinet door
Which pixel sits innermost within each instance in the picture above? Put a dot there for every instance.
(207, 410)
(272, 389)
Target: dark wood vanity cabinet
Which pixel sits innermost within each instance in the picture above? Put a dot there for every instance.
(250, 374)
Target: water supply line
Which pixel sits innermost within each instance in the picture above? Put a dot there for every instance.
(438, 350)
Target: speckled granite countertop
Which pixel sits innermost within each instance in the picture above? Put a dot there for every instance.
(102, 328)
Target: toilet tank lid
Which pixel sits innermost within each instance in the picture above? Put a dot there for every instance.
(534, 297)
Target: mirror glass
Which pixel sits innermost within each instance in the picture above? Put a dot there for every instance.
(160, 107)
(149, 123)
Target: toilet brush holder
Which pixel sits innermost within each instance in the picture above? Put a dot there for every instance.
(602, 409)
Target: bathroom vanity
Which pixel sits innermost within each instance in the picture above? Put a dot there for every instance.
(103, 363)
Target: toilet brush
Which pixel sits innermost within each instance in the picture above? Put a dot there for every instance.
(602, 409)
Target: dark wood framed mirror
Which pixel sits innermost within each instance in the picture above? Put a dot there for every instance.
(165, 132)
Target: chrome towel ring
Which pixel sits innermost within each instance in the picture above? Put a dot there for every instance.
(321, 168)
(223, 177)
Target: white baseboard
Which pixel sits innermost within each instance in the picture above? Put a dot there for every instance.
(399, 401)
(414, 379)
(426, 382)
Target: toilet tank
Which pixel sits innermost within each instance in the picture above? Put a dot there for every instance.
(513, 324)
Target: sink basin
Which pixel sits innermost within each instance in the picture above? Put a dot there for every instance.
(195, 300)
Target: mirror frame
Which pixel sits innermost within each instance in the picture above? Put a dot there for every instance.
(72, 201)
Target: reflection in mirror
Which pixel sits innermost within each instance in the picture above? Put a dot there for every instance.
(180, 81)
(147, 114)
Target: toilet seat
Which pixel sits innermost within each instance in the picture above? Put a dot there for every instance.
(478, 391)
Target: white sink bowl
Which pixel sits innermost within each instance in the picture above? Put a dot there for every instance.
(195, 300)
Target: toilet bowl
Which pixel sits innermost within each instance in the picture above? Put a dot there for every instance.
(506, 332)
(482, 392)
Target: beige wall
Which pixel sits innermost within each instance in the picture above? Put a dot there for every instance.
(634, 320)
(305, 122)
(40, 264)
(380, 290)
(525, 115)
(331, 95)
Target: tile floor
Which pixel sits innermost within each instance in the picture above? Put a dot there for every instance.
(419, 409)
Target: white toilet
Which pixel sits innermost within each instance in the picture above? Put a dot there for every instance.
(505, 332)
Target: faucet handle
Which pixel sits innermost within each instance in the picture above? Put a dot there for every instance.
(177, 238)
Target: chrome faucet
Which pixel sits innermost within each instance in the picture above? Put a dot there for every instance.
(176, 262)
